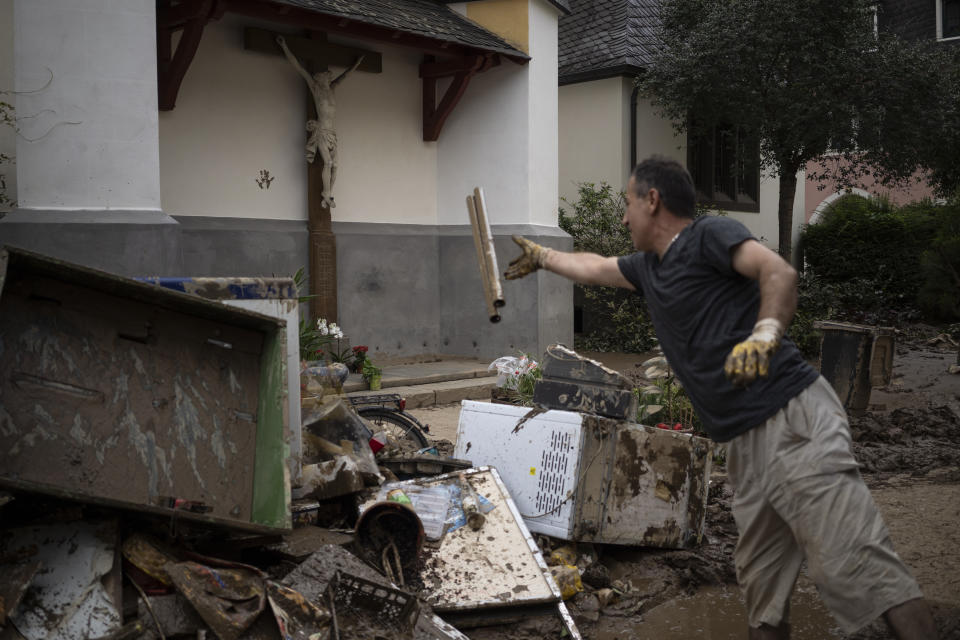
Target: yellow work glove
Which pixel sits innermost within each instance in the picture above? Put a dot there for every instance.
(750, 359)
(534, 257)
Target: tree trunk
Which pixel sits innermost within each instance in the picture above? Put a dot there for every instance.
(788, 189)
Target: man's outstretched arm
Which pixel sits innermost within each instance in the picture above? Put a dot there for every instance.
(585, 268)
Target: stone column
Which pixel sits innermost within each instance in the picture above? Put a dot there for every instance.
(88, 162)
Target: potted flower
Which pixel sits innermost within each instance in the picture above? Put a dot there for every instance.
(319, 356)
(359, 358)
(372, 374)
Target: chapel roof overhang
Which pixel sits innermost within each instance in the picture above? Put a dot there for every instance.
(454, 46)
(425, 24)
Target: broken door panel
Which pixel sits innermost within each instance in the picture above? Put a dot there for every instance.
(122, 393)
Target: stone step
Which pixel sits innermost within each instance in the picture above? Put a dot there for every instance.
(431, 383)
(439, 393)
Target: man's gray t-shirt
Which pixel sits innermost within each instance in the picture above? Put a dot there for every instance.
(701, 307)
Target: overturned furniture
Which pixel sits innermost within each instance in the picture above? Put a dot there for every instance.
(124, 394)
(584, 477)
(274, 297)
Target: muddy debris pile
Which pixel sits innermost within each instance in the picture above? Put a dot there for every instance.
(358, 553)
(907, 440)
(366, 534)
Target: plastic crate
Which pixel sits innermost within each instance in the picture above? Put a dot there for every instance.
(373, 604)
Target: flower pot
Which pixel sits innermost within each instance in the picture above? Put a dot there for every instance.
(374, 382)
(335, 372)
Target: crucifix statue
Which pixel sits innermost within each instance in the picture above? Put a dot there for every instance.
(311, 55)
(323, 136)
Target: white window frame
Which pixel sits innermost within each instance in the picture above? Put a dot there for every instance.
(940, 24)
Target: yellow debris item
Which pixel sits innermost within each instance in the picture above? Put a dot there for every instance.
(568, 581)
(567, 554)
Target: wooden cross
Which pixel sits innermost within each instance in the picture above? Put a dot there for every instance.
(315, 54)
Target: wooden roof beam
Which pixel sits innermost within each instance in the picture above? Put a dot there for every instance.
(191, 17)
(434, 115)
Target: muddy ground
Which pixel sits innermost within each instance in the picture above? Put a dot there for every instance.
(908, 443)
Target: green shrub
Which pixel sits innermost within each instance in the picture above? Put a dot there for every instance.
(866, 255)
(813, 303)
(871, 263)
(939, 295)
(868, 243)
(618, 318)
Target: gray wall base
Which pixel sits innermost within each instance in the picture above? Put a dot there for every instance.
(411, 289)
(152, 243)
(242, 246)
(403, 290)
(128, 243)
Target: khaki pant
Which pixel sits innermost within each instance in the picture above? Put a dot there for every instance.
(798, 495)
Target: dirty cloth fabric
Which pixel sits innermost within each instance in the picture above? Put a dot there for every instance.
(798, 495)
(701, 307)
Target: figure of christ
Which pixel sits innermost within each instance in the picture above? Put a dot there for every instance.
(323, 137)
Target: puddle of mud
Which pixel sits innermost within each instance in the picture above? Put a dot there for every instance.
(717, 613)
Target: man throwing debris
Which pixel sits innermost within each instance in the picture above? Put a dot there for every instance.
(720, 302)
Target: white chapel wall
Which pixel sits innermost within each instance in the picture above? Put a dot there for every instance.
(239, 112)
(484, 143)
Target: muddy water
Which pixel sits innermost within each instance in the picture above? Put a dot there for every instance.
(716, 613)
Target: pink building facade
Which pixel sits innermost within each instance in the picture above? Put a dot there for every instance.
(818, 195)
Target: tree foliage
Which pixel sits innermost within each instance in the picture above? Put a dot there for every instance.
(806, 78)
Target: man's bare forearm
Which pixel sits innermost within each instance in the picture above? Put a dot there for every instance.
(778, 294)
(587, 268)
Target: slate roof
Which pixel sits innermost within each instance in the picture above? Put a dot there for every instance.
(604, 38)
(428, 18)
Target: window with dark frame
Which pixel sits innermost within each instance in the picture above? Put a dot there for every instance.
(950, 18)
(725, 165)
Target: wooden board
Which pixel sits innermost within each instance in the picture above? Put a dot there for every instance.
(319, 52)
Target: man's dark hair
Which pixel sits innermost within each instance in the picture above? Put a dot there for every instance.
(671, 179)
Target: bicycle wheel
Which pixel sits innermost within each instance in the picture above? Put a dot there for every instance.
(397, 425)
